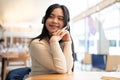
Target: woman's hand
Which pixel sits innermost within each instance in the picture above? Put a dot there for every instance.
(61, 34)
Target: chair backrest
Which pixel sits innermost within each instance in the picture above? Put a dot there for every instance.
(112, 62)
(98, 61)
(87, 59)
(22, 57)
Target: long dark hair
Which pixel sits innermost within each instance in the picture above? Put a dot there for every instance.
(45, 34)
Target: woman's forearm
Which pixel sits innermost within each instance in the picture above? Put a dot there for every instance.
(68, 55)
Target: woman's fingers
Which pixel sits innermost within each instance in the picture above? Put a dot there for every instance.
(63, 33)
(59, 32)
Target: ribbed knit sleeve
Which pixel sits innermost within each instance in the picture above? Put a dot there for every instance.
(67, 50)
(58, 57)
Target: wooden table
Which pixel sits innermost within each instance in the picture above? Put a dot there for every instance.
(79, 76)
(5, 58)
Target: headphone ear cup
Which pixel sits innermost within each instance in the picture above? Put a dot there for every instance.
(43, 20)
(68, 27)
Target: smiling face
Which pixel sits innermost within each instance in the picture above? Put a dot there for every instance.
(55, 21)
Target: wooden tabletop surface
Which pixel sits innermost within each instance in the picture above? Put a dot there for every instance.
(79, 76)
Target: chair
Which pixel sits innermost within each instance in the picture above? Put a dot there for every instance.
(98, 61)
(18, 74)
(87, 61)
(112, 62)
(18, 62)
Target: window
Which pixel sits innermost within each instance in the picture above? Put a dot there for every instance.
(112, 43)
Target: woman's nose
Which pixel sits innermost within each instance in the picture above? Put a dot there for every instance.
(55, 20)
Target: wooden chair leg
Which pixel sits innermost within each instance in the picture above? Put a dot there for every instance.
(4, 71)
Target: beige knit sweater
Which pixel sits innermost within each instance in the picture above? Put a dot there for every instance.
(50, 57)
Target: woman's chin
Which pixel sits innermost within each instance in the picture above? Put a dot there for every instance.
(53, 31)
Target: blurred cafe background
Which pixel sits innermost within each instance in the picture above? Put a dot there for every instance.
(95, 28)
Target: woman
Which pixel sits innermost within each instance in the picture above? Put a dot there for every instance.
(51, 51)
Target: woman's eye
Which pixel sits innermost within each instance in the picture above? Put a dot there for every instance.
(61, 18)
(51, 16)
